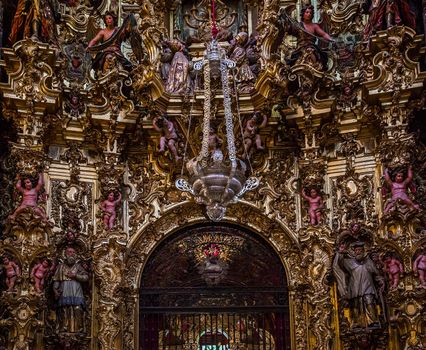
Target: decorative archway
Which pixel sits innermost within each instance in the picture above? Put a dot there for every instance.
(212, 279)
(145, 243)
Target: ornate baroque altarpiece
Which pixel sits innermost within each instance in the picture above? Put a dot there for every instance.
(106, 103)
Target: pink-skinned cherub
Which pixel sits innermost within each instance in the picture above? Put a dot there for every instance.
(13, 272)
(399, 189)
(315, 205)
(168, 137)
(215, 142)
(39, 274)
(251, 132)
(29, 196)
(108, 207)
(419, 268)
(394, 270)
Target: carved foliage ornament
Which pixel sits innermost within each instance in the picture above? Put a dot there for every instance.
(353, 199)
(282, 203)
(397, 150)
(108, 258)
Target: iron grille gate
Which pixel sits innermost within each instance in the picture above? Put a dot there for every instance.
(214, 319)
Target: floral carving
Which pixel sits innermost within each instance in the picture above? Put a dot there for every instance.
(354, 200)
(108, 269)
(281, 199)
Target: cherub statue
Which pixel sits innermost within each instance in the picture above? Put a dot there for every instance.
(251, 132)
(419, 268)
(12, 272)
(39, 273)
(355, 229)
(168, 135)
(29, 196)
(348, 98)
(108, 206)
(315, 205)
(394, 270)
(399, 190)
(70, 236)
(215, 143)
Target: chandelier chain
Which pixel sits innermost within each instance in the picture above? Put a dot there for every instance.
(228, 112)
(207, 111)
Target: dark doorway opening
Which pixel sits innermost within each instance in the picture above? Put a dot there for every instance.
(214, 287)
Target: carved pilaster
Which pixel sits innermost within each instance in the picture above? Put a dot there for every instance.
(316, 261)
(109, 268)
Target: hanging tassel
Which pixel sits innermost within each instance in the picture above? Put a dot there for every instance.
(214, 28)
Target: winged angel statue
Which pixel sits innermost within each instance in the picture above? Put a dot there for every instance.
(107, 44)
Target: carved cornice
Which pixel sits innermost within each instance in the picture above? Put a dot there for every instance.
(394, 57)
(32, 84)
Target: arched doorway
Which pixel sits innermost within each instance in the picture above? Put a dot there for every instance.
(214, 287)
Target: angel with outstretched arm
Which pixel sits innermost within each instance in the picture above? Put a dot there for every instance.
(107, 43)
